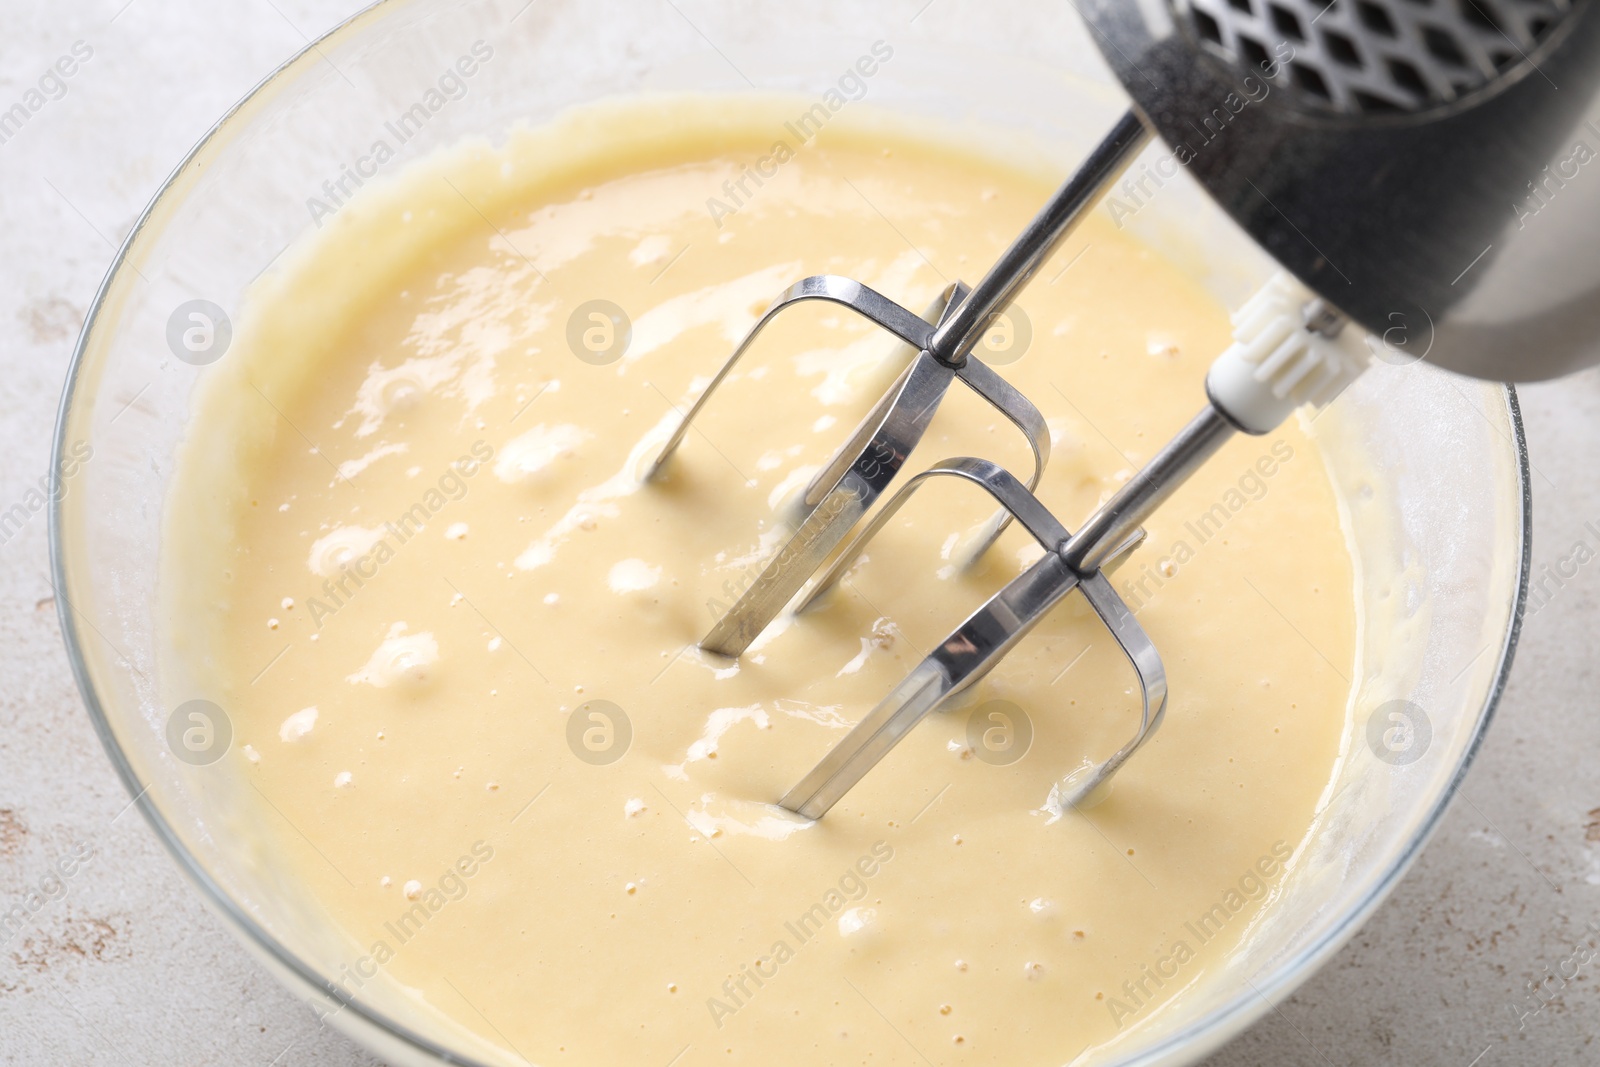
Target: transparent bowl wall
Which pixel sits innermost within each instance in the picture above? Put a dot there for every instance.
(1430, 468)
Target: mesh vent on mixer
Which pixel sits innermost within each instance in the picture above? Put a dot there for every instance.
(1366, 57)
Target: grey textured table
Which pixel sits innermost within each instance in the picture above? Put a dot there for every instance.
(127, 967)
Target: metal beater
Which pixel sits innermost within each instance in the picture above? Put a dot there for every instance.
(1349, 129)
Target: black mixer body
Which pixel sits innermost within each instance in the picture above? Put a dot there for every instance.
(1433, 171)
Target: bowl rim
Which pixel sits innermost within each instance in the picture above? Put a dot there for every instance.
(1242, 1009)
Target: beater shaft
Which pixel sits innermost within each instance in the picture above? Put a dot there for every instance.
(1130, 505)
(958, 334)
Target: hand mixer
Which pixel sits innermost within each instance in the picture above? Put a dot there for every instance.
(1394, 157)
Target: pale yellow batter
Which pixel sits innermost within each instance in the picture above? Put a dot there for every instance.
(412, 543)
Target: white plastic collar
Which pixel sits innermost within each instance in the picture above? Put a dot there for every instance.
(1275, 363)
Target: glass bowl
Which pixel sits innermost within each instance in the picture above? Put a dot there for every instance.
(1430, 469)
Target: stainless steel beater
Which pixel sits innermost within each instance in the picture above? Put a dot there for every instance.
(1383, 152)
(868, 461)
(1288, 351)
(862, 468)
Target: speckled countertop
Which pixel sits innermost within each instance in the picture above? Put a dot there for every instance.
(127, 967)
